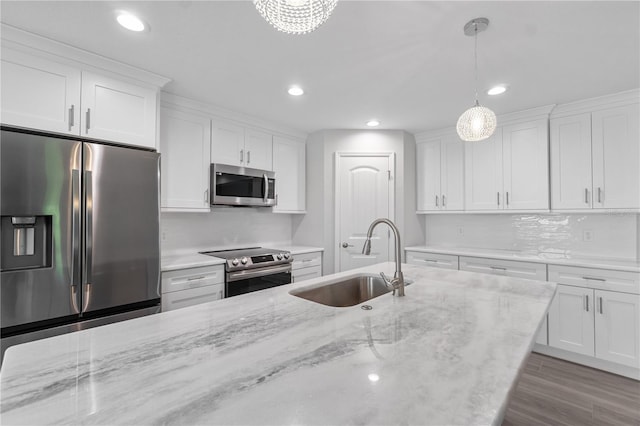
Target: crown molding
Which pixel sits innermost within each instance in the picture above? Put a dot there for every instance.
(627, 97)
(181, 103)
(24, 41)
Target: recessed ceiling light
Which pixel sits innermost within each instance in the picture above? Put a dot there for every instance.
(295, 91)
(497, 90)
(130, 22)
(373, 123)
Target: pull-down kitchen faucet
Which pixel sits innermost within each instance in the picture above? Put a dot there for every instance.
(397, 283)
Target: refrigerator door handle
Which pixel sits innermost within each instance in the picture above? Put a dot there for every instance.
(75, 238)
(88, 218)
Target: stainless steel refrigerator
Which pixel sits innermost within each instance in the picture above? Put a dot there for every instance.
(79, 234)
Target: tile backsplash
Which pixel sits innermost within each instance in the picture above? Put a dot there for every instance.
(608, 235)
(222, 228)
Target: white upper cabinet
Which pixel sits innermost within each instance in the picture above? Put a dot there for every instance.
(40, 94)
(258, 150)
(289, 166)
(616, 157)
(440, 174)
(185, 147)
(483, 173)
(525, 157)
(43, 89)
(117, 111)
(234, 145)
(509, 171)
(595, 156)
(571, 162)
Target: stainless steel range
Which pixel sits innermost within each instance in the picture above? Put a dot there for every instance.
(254, 268)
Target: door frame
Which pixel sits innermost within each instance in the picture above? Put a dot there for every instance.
(391, 156)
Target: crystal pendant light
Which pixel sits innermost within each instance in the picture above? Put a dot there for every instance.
(478, 122)
(295, 16)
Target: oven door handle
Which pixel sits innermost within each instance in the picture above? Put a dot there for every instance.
(251, 273)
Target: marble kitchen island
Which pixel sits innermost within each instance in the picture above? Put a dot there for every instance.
(448, 353)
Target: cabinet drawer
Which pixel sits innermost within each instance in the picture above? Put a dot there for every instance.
(306, 260)
(599, 279)
(193, 296)
(447, 261)
(306, 273)
(509, 268)
(192, 278)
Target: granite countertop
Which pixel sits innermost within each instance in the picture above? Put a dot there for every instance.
(548, 258)
(192, 259)
(447, 353)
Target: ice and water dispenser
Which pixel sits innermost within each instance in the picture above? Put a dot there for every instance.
(26, 242)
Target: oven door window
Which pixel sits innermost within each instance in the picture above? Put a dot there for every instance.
(256, 283)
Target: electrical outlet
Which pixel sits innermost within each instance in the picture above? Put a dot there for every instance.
(460, 231)
(587, 235)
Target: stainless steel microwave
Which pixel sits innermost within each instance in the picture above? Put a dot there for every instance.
(242, 186)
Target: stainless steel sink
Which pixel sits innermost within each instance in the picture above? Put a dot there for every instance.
(349, 291)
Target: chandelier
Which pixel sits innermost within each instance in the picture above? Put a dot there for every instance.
(478, 122)
(295, 16)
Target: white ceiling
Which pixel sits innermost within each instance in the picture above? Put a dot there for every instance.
(406, 63)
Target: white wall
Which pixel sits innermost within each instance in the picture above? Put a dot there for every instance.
(317, 227)
(231, 227)
(613, 235)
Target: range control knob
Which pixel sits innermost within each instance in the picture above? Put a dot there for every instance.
(244, 260)
(235, 262)
(279, 257)
(286, 255)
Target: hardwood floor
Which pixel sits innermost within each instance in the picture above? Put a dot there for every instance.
(556, 392)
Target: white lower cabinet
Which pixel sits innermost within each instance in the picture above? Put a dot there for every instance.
(306, 266)
(592, 320)
(192, 286)
(509, 268)
(436, 260)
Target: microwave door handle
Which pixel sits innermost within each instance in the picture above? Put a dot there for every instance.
(266, 188)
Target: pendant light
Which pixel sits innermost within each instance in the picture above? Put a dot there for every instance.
(295, 16)
(478, 122)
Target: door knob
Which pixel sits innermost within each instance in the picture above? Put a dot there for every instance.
(345, 245)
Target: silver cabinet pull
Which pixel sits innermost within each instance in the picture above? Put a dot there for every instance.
(88, 120)
(586, 195)
(498, 198)
(436, 201)
(248, 157)
(507, 197)
(499, 268)
(206, 195)
(242, 155)
(345, 245)
(586, 303)
(601, 311)
(444, 201)
(71, 116)
(599, 195)
(202, 277)
(594, 279)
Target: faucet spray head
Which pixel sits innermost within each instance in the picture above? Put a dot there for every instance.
(366, 249)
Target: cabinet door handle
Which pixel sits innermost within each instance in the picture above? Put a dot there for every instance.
(202, 277)
(594, 279)
(601, 311)
(88, 117)
(436, 201)
(507, 197)
(498, 198)
(444, 201)
(499, 268)
(586, 303)
(206, 195)
(586, 195)
(248, 157)
(71, 116)
(241, 155)
(599, 195)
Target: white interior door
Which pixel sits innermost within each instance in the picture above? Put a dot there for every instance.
(364, 192)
